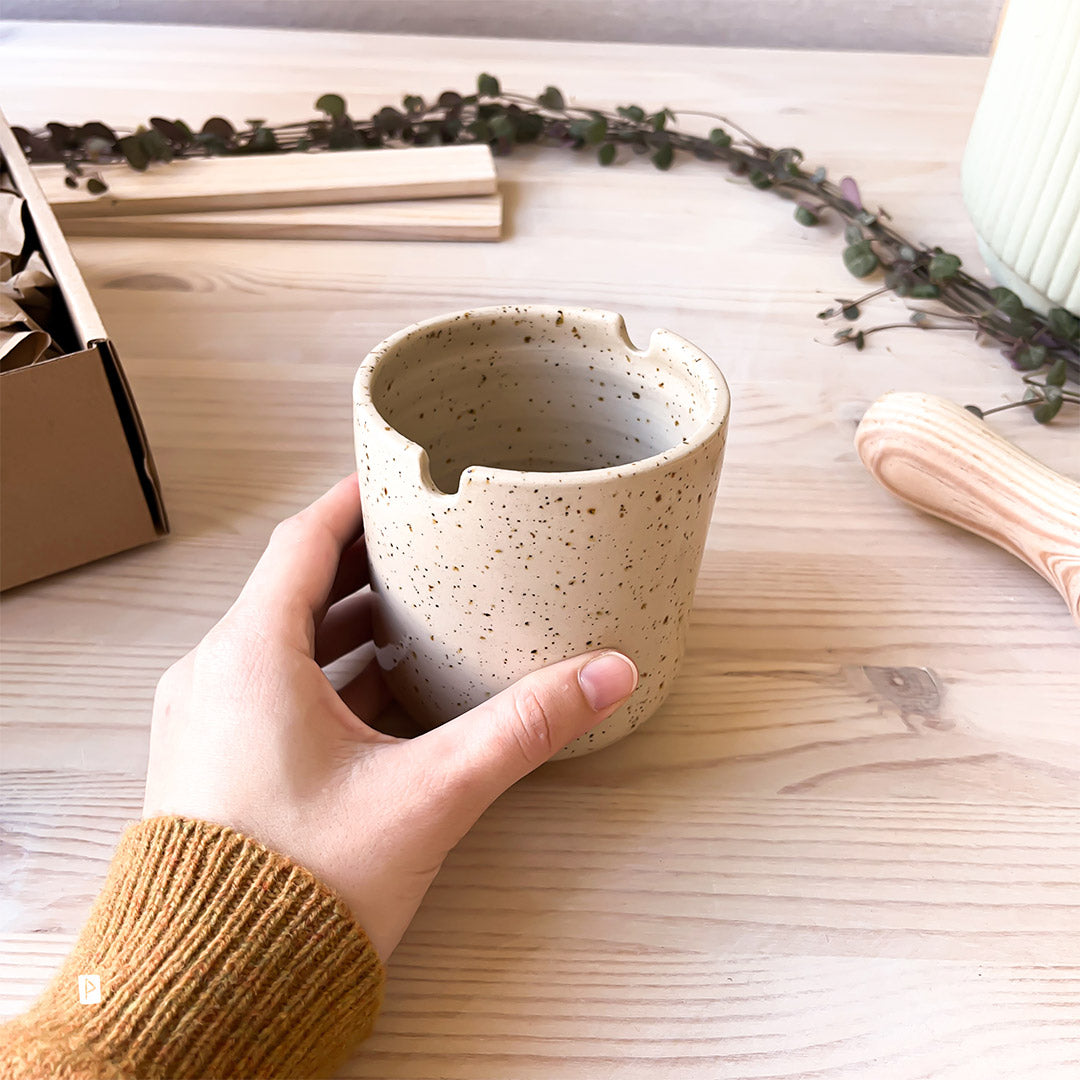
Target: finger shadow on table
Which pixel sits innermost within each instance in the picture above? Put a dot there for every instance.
(391, 719)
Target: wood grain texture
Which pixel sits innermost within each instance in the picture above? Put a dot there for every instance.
(239, 183)
(848, 847)
(476, 218)
(942, 459)
(950, 26)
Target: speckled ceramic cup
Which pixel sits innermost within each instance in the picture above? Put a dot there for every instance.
(534, 486)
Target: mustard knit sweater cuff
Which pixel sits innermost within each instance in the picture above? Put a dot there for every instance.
(215, 957)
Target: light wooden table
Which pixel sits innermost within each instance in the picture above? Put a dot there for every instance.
(849, 846)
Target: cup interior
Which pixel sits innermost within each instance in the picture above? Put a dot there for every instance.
(554, 391)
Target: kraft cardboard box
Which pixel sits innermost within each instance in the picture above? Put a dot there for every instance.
(77, 480)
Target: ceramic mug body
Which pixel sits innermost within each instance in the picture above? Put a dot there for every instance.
(534, 487)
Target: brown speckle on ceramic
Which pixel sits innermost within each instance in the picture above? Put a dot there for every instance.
(534, 486)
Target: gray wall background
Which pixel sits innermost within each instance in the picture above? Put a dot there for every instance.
(935, 26)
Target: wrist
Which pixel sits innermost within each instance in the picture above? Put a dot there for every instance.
(214, 956)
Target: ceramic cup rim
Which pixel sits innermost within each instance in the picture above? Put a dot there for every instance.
(710, 426)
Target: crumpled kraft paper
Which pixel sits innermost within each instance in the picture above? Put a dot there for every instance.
(27, 289)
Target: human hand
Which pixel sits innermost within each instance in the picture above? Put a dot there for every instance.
(248, 732)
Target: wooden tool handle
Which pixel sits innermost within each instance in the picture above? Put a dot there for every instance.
(943, 459)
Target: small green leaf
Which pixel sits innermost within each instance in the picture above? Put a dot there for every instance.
(860, 259)
(663, 157)
(529, 127)
(659, 120)
(843, 335)
(596, 130)
(134, 152)
(331, 104)
(828, 313)
(606, 154)
(95, 128)
(1046, 412)
(344, 136)
(850, 312)
(1031, 357)
(818, 176)
(480, 131)
(760, 179)
(262, 141)
(975, 410)
(219, 128)
(168, 129)
(96, 186)
(552, 98)
(210, 144)
(853, 234)
(62, 137)
(487, 86)
(1056, 375)
(786, 161)
(1064, 324)
(1030, 395)
(907, 253)
(719, 137)
(923, 290)
(388, 120)
(501, 126)
(578, 128)
(1007, 302)
(157, 147)
(943, 267)
(412, 103)
(634, 113)
(860, 341)
(805, 216)
(70, 181)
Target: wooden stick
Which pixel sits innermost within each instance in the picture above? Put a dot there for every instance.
(476, 218)
(271, 180)
(943, 459)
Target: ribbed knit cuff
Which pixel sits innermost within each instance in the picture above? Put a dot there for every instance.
(215, 957)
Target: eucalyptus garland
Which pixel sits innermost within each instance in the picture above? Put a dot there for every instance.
(1045, 350)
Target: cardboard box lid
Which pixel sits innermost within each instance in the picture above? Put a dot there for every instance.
(128, 509)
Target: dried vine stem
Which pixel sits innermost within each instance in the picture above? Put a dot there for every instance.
(1046, 350)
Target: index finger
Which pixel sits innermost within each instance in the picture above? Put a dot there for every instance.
(297, 570)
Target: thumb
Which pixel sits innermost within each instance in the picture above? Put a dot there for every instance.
(486, 750)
